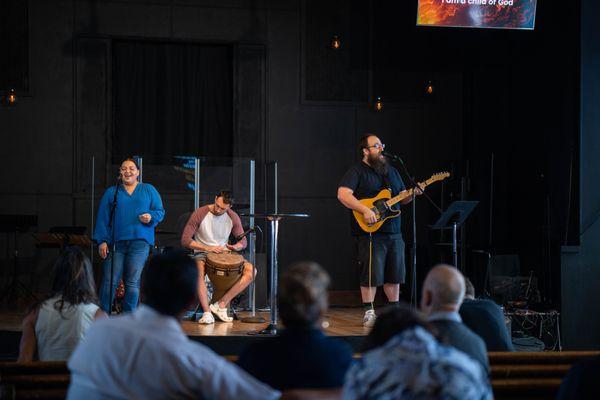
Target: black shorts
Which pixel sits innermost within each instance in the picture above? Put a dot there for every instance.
(386, 259)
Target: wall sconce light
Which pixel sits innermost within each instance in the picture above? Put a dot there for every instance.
(335, 44)
(378, 104)
(429, 88)
(10, 98)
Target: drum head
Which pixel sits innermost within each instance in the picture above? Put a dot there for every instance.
(224, 260)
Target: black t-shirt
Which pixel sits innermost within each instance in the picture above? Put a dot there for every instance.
(366, 183)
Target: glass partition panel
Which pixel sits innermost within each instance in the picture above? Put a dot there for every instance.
(174, 178)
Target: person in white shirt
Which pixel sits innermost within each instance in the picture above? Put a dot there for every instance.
(146, 354)
(208, 231)
(54, 327)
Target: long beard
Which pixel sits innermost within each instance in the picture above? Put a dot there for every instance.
(380, 165)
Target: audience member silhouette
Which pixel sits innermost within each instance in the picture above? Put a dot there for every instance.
(146, 355)
(54, 326)
(485, 318)
(581, 381)
(412, 364)
(442, 295)
(302, 356)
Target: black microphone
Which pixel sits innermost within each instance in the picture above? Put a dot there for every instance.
(393, 157)
(240, 237)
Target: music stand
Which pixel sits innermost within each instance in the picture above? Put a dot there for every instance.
(453, 218)
(274, 220)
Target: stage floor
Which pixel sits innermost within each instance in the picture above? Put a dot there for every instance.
(337, 322)
(224, 338)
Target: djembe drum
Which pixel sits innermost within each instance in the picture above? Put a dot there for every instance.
(223, 270)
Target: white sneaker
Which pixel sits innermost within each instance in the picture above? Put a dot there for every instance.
(221, 313)
(369, 318)
(207, 318)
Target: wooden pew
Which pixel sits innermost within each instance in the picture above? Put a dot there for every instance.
(515, 376)
(34, 380)
(532, 376)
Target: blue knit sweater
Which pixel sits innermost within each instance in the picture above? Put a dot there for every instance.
(144, 199)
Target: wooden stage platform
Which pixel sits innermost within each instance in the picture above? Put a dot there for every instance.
(224, 338)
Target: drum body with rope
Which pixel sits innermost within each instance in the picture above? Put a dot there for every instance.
(223, 270)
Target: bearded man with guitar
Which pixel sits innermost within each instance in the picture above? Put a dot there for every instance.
(380, 254)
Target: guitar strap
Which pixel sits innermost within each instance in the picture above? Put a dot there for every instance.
(386, 183)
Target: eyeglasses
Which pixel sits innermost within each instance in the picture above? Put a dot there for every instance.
(377, 146)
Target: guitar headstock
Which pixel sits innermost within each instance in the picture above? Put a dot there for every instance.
(438, 176)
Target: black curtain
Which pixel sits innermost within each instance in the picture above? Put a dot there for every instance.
(172, 99)
(14, 46)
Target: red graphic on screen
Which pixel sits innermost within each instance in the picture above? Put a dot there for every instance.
(515, 14)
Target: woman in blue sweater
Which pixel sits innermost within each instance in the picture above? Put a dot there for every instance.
(139, 210)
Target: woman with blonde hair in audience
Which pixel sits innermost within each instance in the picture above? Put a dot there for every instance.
(54, 327)
(302, 356)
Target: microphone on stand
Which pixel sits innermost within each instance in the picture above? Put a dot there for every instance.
(114, 201)
(240, 237)
(393, 157)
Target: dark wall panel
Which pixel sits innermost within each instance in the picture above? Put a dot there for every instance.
(313, 150)
(93, 116)
(250, 76)
(245, 24)
(581, 264)
(37, 133)
(140, 19)
(336, 75)
(14, 45)
(324, 237)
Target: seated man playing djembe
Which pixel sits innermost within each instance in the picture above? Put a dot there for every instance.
(207, 233)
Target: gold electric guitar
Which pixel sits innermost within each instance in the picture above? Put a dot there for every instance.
(382, 204)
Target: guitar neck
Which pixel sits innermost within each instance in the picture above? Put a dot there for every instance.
(408, 193)
(404, 195)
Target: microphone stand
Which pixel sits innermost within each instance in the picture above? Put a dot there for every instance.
(411, 180)
(253, 318)
(413, 291)
(413, 285)
(111, 225)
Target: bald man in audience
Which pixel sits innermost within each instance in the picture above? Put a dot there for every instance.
(443, 293)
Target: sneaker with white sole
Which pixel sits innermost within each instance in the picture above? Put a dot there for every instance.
(207, 318)
(369, 318)
(221, 313)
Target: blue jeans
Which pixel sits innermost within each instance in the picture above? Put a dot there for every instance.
(129, 259)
